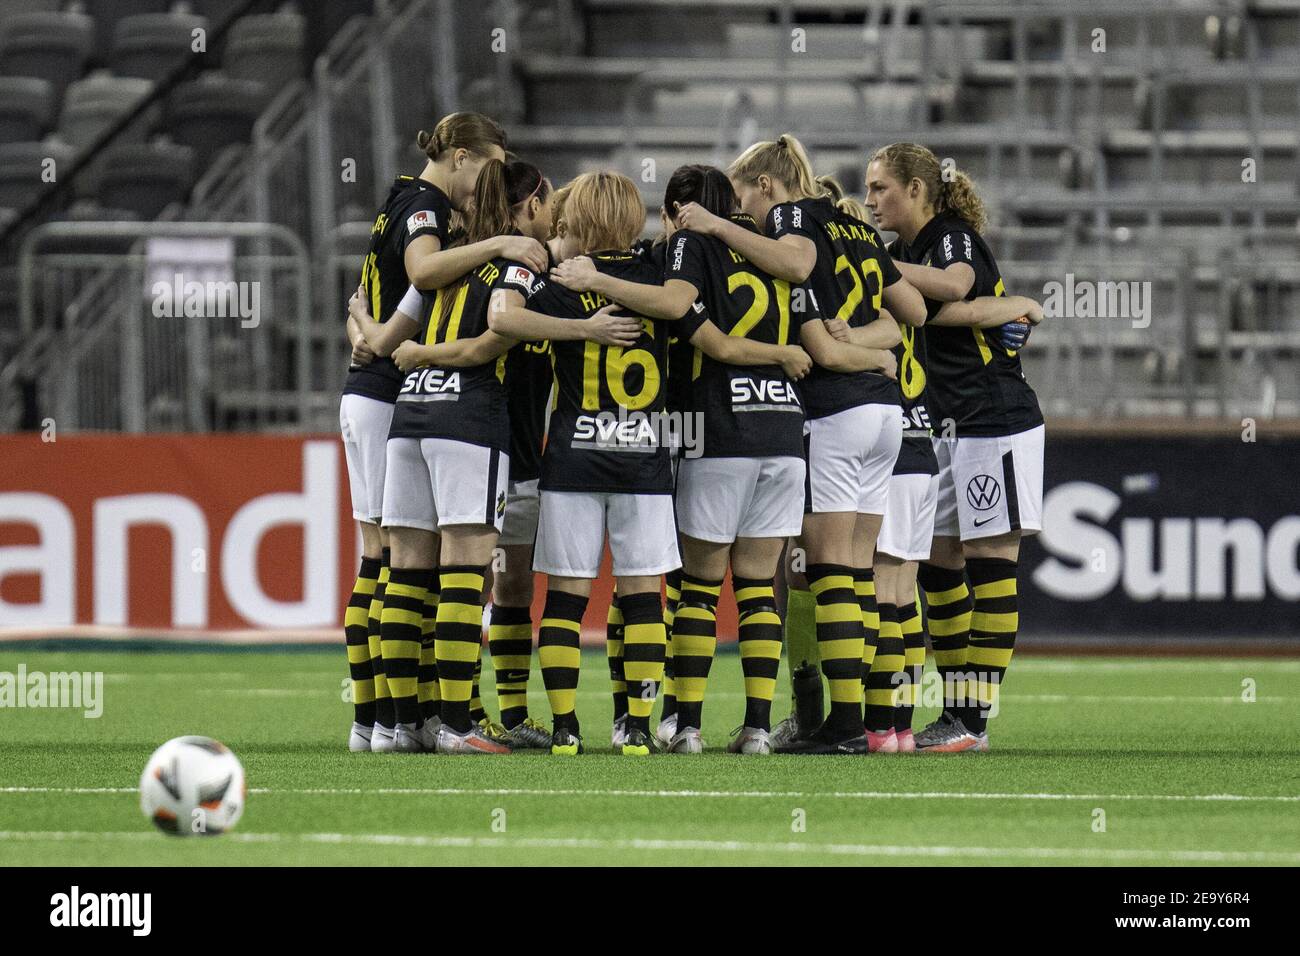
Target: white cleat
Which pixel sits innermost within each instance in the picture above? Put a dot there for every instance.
(383, 739)
(666, 731)
(750, 740)
(785, 733)
(686, 741)
(359, 739)
(618, 736)
(416, 738)
(473, 741)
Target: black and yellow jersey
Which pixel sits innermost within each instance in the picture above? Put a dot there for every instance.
(607, 425)
(529, 379)
(848, 281)
(679, 348)
(916, 454)
(747, 411)
(414, 208)
(465, 404)
(970, 380)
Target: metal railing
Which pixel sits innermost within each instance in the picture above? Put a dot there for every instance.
(176, 338)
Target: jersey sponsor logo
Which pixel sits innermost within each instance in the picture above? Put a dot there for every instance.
(678, 250)
(634, 432)
(776, 219)
(983, 492)
(980, 523)
(796, 217)
(430, 384)
(518, 275)
(762, 392)
(424, 219)
(947, 248)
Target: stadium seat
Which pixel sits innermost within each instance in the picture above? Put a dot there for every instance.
(22, 166)
(217, 11)
(90, 211)
(11, 8)
(152, 45)
(143, 177)
(96, 103)
(266, 49)
(214, 111)
(108, 13)
(52, 46)
(26, 108)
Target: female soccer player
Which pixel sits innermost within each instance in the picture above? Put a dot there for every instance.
(605, 472)
(407, 245)
(448, 456)
(854, 428)
(990, 448)
(740, 500)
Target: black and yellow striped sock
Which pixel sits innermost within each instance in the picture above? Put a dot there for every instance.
(355, 636)
(840, 644)
(614, 652)
(864, 588)
(510, 643)
(458, 641)
(477, 711)
(800, 633)
(760, 647)
(948, 607)
(883, 687)
(429, 694)
(694, 640)
(644, 637)
(992, 634)
(913, 664)
(384, 713)
(559, 655)
(672, 594)
(401, 632)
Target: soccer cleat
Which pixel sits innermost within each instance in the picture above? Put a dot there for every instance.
(565, 743)
(906, 741)
(416, 738)
(786, 731)
(528, 734)
(359, 739)
(882, 741)
(639, 744)
(947, 735)
(824, 740)
(472, 741)
(381, 739)
(981, 742)
(750, 740)
(809, 702)
(686, 741)
(618, 737)
(666, 730)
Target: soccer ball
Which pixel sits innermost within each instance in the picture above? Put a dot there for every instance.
(193, 786)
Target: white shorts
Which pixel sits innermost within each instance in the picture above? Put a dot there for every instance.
(520, 524)
(572, 526)
(434, 483)
(908, 527)
(364, 423)
(722, 499)
(851, 455)
(990, 486)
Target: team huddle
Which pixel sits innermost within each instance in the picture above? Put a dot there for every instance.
(766, 389)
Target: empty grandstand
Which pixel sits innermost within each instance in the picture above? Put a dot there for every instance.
(1155, 143)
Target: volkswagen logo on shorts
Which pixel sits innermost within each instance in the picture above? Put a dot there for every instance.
(983, 492)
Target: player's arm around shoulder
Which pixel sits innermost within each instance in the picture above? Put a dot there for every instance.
(737, 350)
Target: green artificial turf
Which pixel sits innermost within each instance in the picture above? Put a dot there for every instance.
(1135, 744)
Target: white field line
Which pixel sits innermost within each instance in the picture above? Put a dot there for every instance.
(703, 794)
(680, 846)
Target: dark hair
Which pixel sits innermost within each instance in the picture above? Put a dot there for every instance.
(499, 189)
(706, 185)
(472, 131)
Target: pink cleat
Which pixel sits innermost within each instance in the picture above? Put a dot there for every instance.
(906, 741)
(882, 741)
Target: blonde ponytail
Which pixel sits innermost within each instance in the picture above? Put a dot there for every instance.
(843, 202)
(785, 161)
